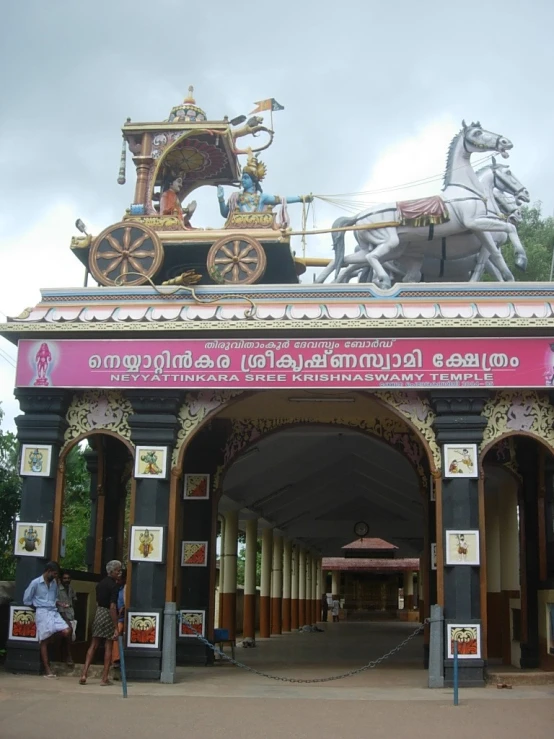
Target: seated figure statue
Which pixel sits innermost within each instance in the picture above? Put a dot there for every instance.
(252, 198)
(170, 203)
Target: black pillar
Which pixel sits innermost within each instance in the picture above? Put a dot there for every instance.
(197, 591)
(116, 456)
(43, 423)
(459, 421)
(153, 423)
(91, 459)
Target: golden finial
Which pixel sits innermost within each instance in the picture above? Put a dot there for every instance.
(190, 98)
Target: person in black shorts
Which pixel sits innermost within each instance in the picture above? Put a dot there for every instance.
(104, 627)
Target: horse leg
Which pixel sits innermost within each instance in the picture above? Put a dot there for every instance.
(481, 226)
(413, 268)
(519, 250)
(387, 249)
(322, 276)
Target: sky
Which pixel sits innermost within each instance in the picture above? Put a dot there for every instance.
(373, 93)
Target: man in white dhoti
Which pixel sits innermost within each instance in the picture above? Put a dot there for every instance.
(42, 595)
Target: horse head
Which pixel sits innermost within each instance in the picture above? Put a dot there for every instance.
(505, 180)
(477, 139)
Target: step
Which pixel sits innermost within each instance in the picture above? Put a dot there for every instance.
(95, 671)
(519, 677)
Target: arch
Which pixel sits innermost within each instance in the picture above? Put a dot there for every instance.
(98, 410)
(202, 407)
(238, 444)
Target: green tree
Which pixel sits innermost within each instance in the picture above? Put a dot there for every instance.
(76, 509)
(537, 236)
(10, 500)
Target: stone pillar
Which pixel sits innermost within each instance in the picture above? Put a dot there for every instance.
(277, 585)
(265, 585)
(153, 423)
(458, 420)
(43, 423)
(315, 568)
(408, 591)
(229, 585)
(294, 614)
(116, 458)
(250, 558)
(287, 576)
(318, 592)
(527, 453)
(309, 569)
(335, 584)
(302, 588)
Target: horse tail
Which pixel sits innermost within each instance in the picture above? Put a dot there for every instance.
(338, 241)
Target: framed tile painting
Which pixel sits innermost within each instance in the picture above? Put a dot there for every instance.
(460, 460)
(30, 539)
(143, 629)
(462, 547)
(36, 460)
(468, 637)
(151, 461)
(147, 544)
(194, 554)
(22, 624)
(197, 487)
(191, 623)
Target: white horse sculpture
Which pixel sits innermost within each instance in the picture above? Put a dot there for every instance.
(463, 194)
(504, 194)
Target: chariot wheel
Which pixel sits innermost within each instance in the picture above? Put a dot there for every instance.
(123, 250)
(237, 260)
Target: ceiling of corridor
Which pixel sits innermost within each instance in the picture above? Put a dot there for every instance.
(315, 482)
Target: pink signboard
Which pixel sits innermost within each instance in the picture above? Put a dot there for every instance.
(286, 363)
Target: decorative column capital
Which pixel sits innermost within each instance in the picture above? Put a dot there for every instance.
(154, 420)
(458, 415)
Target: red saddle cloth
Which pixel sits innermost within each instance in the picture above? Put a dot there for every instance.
(423, 211)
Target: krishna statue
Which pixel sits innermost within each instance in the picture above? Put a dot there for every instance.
(251, 198)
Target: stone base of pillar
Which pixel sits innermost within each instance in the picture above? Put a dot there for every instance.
(301, 613)
(193, 652)
(294, 614)
(143, 664)
(316, 615)
(276, 608)
(22, 657)
(249, 617)
(286, 614)
(264, 616)
(408, 602)
(469, 675)
(229, 613)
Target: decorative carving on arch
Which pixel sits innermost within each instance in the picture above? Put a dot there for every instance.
(98, 410)
(419, 412)
(525, 411)
(391, 430)
(194, 410)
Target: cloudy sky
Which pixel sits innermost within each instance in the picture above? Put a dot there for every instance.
(373, 93)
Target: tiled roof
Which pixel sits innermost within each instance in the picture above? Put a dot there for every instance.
(370, 543)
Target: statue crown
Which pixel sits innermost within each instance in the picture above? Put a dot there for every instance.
(254, 167)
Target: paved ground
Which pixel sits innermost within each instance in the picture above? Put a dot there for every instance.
(220, 701)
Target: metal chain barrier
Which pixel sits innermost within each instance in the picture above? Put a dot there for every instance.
(369, 666)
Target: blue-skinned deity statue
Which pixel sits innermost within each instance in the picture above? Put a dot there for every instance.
(251, 198)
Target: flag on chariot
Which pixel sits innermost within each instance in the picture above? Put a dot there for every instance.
(269, 104)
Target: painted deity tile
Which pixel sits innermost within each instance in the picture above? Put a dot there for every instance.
(143, 630)
(36, 460)
(151, 461)
(191, 623)
(146, 544)
(194, 554)
(468, 637)
(22, 624)
(30, 539)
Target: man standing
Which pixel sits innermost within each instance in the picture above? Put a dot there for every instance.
(42, 595)
(66, 599)
(104, 627)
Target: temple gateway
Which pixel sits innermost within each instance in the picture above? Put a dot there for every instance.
(406, 401)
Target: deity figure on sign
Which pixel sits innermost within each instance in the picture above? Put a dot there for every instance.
(170, 203)
(462, 547)
(252, 198)
(35, 460)
(42, 360)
